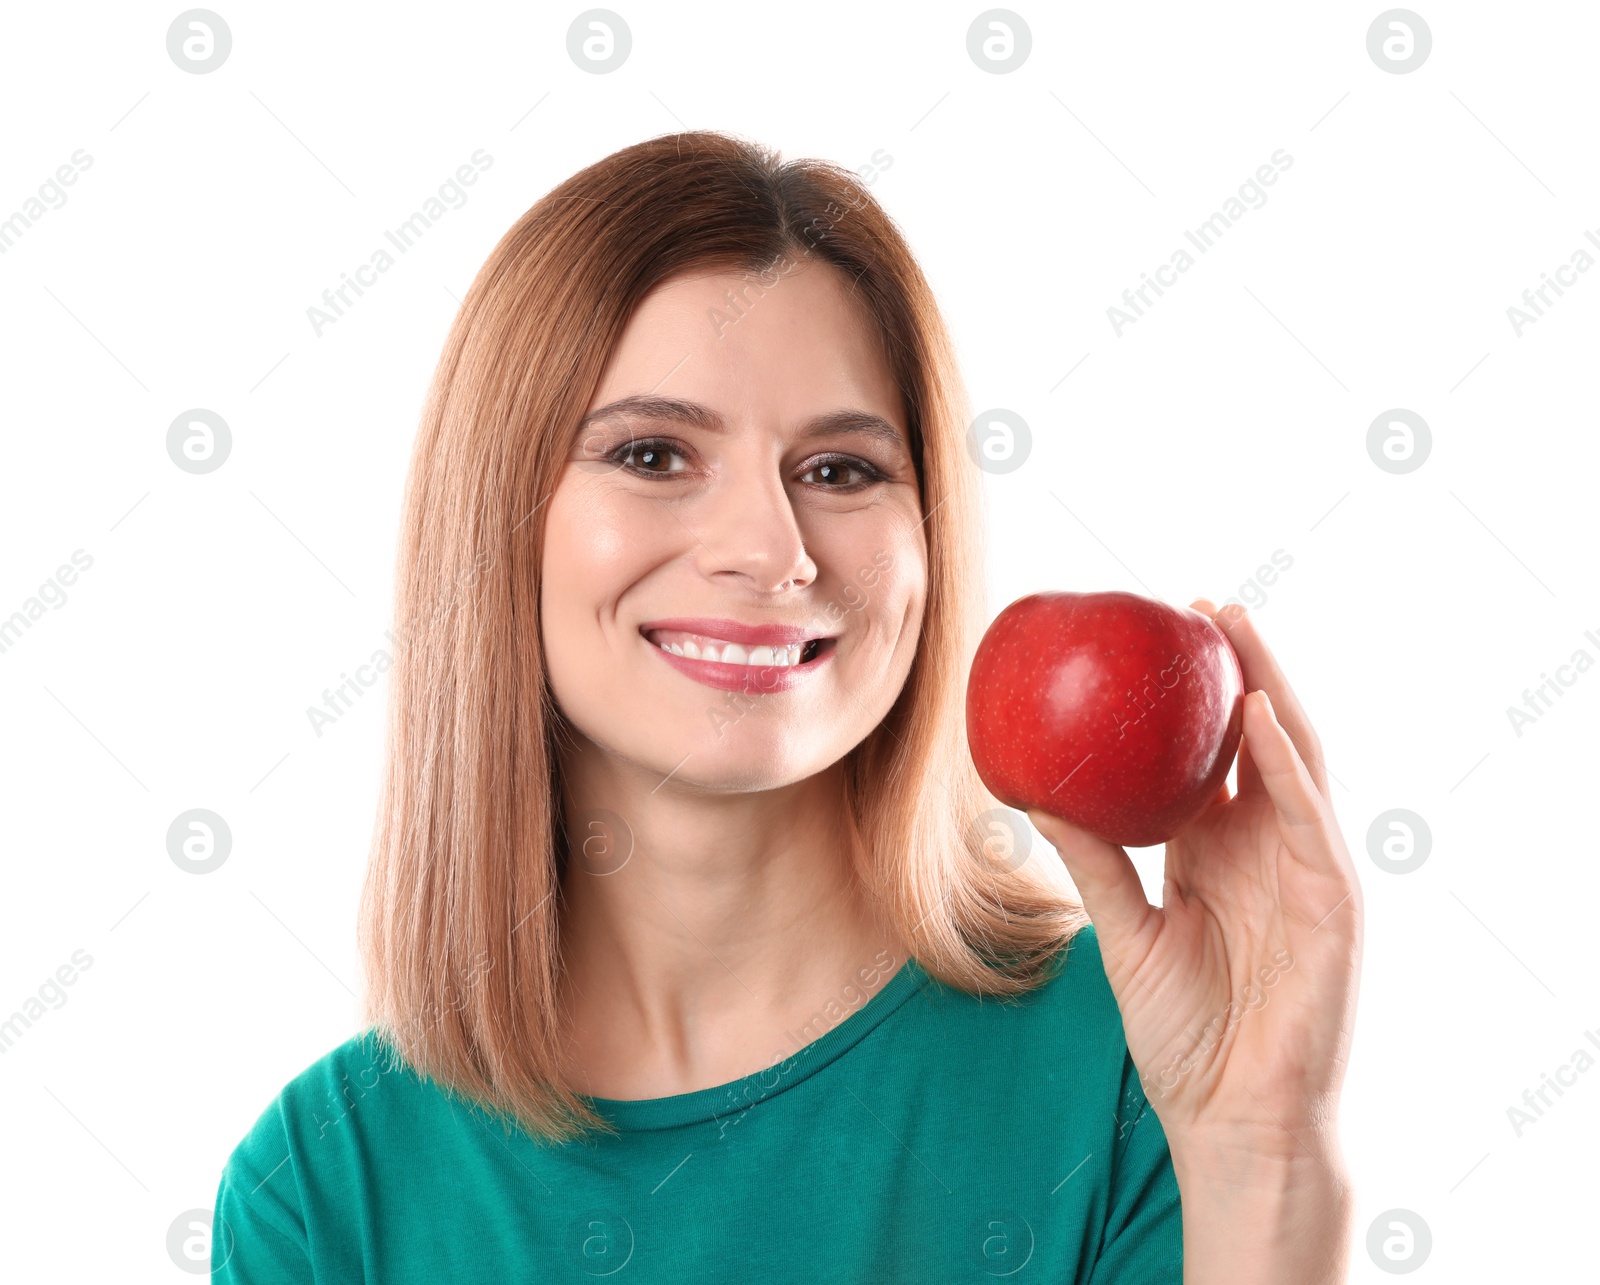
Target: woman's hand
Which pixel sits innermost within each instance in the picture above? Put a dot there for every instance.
(1238, 992)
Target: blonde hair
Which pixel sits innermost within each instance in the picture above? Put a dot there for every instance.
(458, 921)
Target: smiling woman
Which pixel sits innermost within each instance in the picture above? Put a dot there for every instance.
(684, 763)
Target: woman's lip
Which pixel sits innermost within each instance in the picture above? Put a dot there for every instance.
(725, 630)
(750, 680)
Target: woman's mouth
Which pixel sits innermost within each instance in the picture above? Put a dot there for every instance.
(741, 667)
(702, 647)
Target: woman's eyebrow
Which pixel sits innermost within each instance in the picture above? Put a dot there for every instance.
(695, 415)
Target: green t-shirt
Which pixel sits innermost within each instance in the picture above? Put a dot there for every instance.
(927, 1137)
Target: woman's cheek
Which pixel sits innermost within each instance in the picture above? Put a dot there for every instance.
(598, 529)
(603, 540)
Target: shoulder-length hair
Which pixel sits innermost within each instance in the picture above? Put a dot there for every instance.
(458, 922)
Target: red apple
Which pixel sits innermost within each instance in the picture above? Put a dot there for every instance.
(1115, 712)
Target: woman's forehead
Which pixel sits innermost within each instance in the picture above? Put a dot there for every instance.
(799, 344)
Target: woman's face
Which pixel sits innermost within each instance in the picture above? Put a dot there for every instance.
(745, 477)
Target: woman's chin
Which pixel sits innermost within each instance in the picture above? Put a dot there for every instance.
(742, 760)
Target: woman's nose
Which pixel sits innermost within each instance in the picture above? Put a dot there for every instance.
(748, 528)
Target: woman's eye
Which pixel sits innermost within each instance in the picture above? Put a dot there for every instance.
(648, 457)
(836, 474)
(661, 458)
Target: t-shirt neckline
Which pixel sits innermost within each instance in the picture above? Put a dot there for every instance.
(737, 1096)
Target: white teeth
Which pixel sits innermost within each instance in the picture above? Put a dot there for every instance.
(730, 653)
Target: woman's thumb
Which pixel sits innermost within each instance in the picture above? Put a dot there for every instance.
(1105, 877)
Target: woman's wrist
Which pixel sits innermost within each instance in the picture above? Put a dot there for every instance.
(1254, 1213)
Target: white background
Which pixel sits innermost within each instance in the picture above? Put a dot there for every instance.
(1227, 423)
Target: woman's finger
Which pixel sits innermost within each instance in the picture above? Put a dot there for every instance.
(1105, 877)
(1262, 672)
(1249, 780)
(1304, 819)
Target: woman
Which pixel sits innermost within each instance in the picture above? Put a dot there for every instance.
(690, 951)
